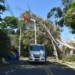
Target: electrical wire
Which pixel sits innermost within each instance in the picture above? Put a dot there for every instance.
(8, 7)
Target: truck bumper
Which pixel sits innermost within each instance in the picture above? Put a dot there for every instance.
(37, 60)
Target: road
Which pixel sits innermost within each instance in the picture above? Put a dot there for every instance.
(24, 68)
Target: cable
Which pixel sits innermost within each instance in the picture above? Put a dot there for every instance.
(29, 8)
(8, 6)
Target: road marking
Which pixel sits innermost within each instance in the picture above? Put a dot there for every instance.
(48, 71)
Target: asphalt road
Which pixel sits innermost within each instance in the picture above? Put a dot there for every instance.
(24, 68)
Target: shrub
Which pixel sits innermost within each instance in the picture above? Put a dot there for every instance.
(69, 58)
(4, 44)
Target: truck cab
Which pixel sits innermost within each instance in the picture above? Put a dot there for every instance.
(37, 53)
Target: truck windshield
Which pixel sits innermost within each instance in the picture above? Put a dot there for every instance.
(36, 48)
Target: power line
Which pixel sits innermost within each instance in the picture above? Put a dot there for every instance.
(8, 7)
(29, 8)
(20, 10)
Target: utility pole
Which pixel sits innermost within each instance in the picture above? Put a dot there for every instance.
(55, 51)
(20, 27)
(20, 41)
(52, 39)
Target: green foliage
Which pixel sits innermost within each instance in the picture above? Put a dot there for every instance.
(49, 49)
(69, 18)
(60, 22)
(71, 5)
(42, 36)
(57, 11)
(65, 2)
(2, 7)
(69, 58)
(65, 15)
(27, 33)
(4, 43)
(3, 25)
(25, 50)
(14, 42)
(11, 21)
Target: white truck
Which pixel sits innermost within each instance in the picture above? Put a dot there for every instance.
(37, 53)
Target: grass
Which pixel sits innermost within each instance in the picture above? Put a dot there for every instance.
(70, 63)
(23, 58)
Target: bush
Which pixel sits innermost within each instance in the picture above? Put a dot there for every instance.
(72, 57)
(69, 58)
(4, 44)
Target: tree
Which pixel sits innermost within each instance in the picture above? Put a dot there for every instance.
(58, 13)
(42, 35)
(69, 17)
(2, 8)
(64, 16)
(4, 43)
(10, 23)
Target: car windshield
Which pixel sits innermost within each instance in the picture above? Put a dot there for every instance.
(36, 48)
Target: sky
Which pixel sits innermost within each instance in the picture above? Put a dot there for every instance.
(38, 7)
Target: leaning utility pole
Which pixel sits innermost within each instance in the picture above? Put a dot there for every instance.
(55, 51)
(52, 39)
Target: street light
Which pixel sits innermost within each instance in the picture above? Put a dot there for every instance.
(34, 29)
